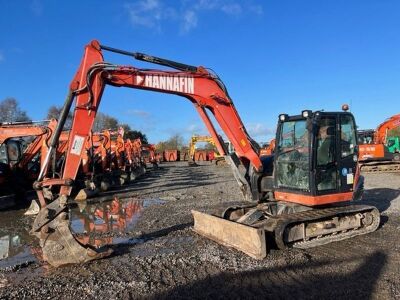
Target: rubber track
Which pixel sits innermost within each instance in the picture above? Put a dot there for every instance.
(380, 167)
(321, 214)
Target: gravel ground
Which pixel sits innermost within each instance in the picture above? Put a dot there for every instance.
(159, 256)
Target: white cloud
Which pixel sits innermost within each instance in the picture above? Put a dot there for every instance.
(149, 13)
(138, 113)
(232, 9)
(37, 7)
(189, 21)
(196, 128)
(153, 14)
(257, 9)
(257, 130)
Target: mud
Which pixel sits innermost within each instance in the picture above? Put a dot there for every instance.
(158, 256)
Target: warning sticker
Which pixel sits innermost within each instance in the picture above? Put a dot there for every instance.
(77, 145)
(350, 178)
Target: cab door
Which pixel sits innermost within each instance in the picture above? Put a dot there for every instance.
(326, 152)
(347, 156)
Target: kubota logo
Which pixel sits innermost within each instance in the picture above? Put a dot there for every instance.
(182, 84)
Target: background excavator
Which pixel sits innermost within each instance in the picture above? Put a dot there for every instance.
(268, 149)
(203, 139)
(19, 158)
(298, 197)
(378, 150)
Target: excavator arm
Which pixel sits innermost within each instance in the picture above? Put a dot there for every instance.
(383, 129)
(204, 89)
(42, 134)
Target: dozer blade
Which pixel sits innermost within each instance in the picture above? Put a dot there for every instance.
(241, 237)
(58, 244)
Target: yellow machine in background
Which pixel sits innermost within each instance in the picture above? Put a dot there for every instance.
(205, 139)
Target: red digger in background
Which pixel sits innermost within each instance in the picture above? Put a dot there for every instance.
(149, 155)
(377, 151)
(296, 196)
(269, 149)
(20, 167)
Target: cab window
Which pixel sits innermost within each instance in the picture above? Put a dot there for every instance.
(325, 143)
(348, 136)
(292, 159)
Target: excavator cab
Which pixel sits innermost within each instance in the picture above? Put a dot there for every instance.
(316, 155)
(314, 167)
(11, 152)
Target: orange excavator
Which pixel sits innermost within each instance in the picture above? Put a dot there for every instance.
(378, 152)
(20, 167)
(301, 198)
(149, 154)
(268, 149)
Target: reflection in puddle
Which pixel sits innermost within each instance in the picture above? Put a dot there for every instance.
(94, 224)
(92, 221)
(15, 242)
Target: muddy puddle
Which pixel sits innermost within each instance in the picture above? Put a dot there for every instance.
(99, 224)
(96, 223)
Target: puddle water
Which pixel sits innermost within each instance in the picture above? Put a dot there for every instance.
(15, 241)
(93, 223)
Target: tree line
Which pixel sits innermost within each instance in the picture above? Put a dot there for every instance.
(11, 112)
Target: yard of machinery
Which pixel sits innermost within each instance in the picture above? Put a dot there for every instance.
(105, 201)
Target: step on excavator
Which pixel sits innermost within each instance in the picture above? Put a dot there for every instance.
(302, 197)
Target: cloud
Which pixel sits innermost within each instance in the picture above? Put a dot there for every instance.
(153, 14)
(1, 56)
(149, 13)
(37, 7)
(257, 130)
(232, 9)
(138, 113)
(256, 9)
(196, 128)
(189, 21)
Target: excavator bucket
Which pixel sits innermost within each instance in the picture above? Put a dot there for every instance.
(244, 238)
(59, 245)
(33, 209)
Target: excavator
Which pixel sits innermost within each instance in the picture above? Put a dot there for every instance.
(206, 139)
(301, 198)
(379, 152)
(108, 161)
(149, 155)
(268, 149)
(17, 164)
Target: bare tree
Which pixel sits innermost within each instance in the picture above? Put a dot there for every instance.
(174, 142)
(11, 112)
(104, 121)
(54, 113)
(133, 134)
